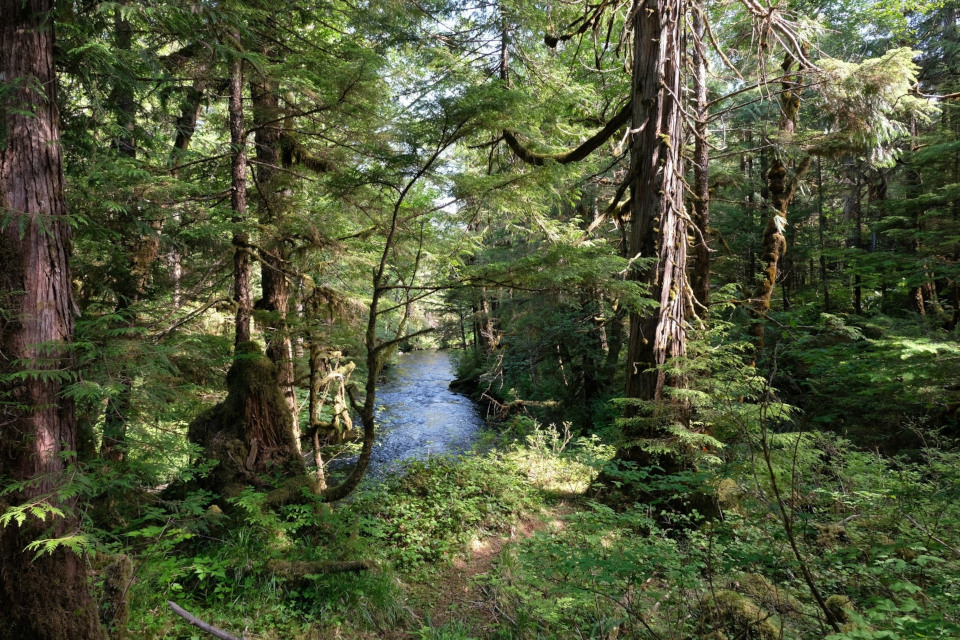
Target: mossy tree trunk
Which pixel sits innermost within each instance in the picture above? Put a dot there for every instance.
(46, 598)
(268, 120)
(250, 433)
(781, 191)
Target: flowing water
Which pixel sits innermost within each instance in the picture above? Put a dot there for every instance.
(418, 415)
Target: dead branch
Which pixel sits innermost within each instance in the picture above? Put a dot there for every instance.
(200, 624)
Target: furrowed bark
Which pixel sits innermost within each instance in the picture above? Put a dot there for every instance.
(701, 169)
(46, 598)
(659, 228)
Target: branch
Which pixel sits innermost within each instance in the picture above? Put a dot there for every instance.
(797, 176)
(295, 153)
(390, 343)
(574, 155)
(586, 23)
(930, 535)
(355, 404)
(200, 624)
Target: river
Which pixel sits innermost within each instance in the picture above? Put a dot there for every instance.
(418, 415)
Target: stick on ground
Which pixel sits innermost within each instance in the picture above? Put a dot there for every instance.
(200, 624)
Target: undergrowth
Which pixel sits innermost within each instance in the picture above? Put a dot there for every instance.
(879, 535)
(232, 569)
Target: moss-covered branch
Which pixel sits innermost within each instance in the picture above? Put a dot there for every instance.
(574, 155)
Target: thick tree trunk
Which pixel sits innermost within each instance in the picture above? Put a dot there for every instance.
(267, 120)
(659, 229)
(46, 598)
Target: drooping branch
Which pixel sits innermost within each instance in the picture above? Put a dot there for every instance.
(292, 152)
(574, 155)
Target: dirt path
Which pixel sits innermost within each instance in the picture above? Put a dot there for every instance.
(459, 593)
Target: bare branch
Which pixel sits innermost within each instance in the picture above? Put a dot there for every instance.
(200, 624)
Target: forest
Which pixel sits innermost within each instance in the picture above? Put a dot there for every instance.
(480, 319)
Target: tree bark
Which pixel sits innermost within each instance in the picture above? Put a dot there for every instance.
(47, 597)
(701, 167)
(267, 119)
(659, 229)
(242, 293)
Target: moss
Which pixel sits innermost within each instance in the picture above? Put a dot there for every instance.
(830, 535)
(114, 604)
(841, 608)
(291, 490)
(729, 494)
(47, 597)
(768, 594)
(741, 617)
(250, 434)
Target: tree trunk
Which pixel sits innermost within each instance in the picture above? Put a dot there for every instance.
(659, 230)
(46, 598)
(701, 168)
(142, 250)
(821, 226)
(267, 119)
(242, 293)
(781, 193)
(857, 210)
(186, 127)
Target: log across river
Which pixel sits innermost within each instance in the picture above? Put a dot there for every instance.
(418, 415)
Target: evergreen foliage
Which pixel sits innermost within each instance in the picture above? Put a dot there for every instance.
(385, 176)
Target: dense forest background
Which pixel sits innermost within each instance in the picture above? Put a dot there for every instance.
(699, 263)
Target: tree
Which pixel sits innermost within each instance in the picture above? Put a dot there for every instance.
(46, 596)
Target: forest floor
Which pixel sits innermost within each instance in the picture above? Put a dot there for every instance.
(502, 545)
(460, 594)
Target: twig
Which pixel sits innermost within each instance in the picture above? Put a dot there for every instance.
(786, 518)
(930, 535)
